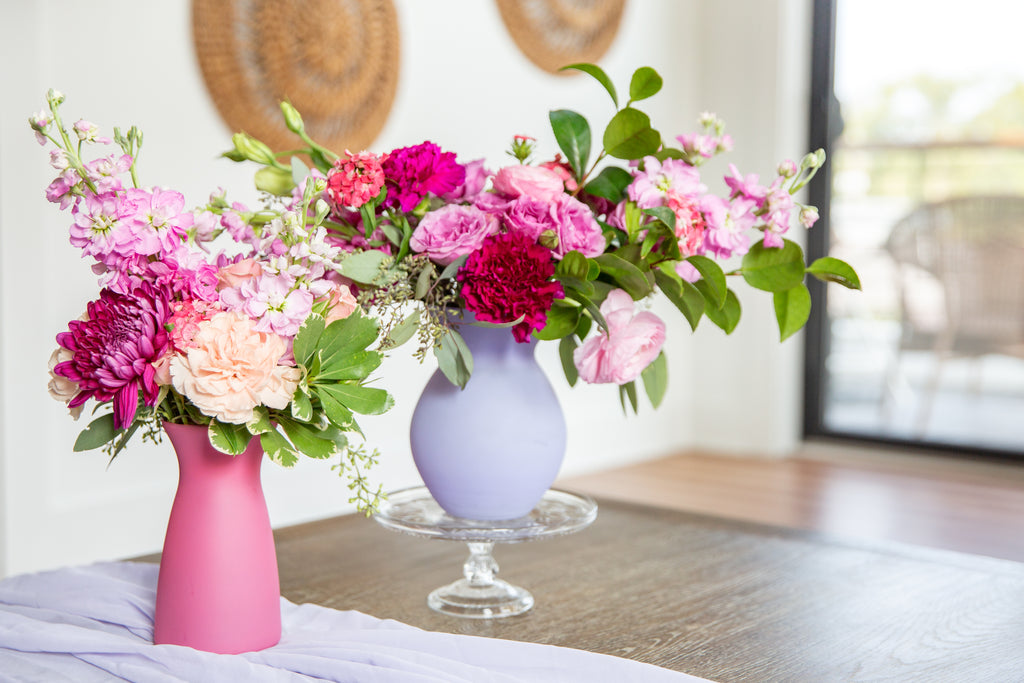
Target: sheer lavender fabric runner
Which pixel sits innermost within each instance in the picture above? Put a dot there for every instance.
(95, 623)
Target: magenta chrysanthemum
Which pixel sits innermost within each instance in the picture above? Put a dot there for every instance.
(413, 172)
(508, 277)
(114, 349)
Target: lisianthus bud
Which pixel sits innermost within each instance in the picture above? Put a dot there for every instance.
(292, 117)
(549, 239)
(808, 216)
(252, 149)
(787, 169)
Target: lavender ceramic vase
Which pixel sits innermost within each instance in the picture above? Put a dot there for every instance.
(490, 451)
(218, 588)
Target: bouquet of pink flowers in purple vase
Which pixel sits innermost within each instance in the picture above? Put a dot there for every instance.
(234, 320)
(570, 249)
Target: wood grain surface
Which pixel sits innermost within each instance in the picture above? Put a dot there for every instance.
(722, 599)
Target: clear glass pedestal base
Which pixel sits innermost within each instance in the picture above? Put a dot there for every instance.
(480, 594)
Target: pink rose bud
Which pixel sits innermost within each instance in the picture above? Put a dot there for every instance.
(808, 216)
(787, 169)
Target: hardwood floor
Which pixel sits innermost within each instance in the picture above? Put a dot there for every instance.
(934, 501)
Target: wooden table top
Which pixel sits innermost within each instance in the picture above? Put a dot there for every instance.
(725, 600)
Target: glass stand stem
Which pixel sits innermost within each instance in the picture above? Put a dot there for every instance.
(480, 594)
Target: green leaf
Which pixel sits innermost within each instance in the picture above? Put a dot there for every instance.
(573, 135)
(610, 183)
(452, 268)
(404, 331)
(628, 391)
(345, 338)
(663, 214)
(713, 278)
(589, 305)
(728, 316)
(645, 82)
(260, 421)
(625, 274)
(355, 365)
(307, 339)
(565, 350)
(573, 264)
(100, 431)
(629, 135)
(394, 234)
(302, 406)
(632, 216)
(583, 329)
(423, 281)
(774, 269)
(831, 269)
(655, 377)
(562, 321)
(454, 358)
(792, 308)
(670, 153)
(299, 171)
(359, 399)
(363, 266)
(228, 438)
(599, 74)
(582, 286)
(682, 294)
(276, 181)
(336, 412)
(308, 440)
(278, 449)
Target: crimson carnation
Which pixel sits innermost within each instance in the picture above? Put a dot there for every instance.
(114, 349)
(412, 172)
(508, 277)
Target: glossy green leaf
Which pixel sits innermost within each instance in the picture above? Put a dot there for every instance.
(663, 214)
(588, 303)
(100, 431)
(565, 351)
(364, 266)
(561, 322)
(355, 365)
(792, 308)
(628, 392)
(278, 449)
(655, 378)
(344, 338)
(682, 294)
(774, 269)
(713, 279)
(572, 132)
(308, 440)
(301, 406)
(307, 339)
(669, 153)
(625, 274)
(645, 83)
(336, 412)
(728, 316)
(573, 264)
(629, 135)
(582, 286)
(610, 183)
(831, 269)
(259, 423)
(228, 438)
(598, 74)
(358, 399)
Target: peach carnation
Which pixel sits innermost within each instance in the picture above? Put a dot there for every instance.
(232, 368)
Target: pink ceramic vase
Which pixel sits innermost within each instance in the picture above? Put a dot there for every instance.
(218, 589)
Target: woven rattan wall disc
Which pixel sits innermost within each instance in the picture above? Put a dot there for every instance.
(335, 60)
(553, 33)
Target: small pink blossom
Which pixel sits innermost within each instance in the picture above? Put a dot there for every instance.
(689, 223)
(698, 143)
(452, 231)
(808, 216)
(87, 132)
(355, 180)
(104, 172)
(745, 186)
(727, 225)
(62, 189)
(651, 186)
(273, 301)
(787, 168)
(630, 345)
(533, 181)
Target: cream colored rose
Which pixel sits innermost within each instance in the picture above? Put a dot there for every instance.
(233, 369)
(61, 388)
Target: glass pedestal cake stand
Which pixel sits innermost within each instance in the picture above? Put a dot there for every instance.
(480, 594)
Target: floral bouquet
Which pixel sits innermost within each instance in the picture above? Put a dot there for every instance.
(569, 249)
(205, 317)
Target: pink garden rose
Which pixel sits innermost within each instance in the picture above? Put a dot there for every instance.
(342, 303)
(237, 273)
(231, 368)
(576, 227)
(632, 343)
(533, 181)
(452, 231)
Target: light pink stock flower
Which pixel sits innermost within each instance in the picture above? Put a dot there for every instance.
(632, 343)
(273, 301)
(651, 186)
(232, 368)
(533, 181)
(452, 231)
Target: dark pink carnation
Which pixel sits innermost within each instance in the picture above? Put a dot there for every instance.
(413, 172)
(354, 180)
(114, 349)
(508, 277)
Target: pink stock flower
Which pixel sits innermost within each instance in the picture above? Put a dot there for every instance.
(510, 277)
(778, 206)
(727, 225)
(651, 186)
(271, 300)
(62, 189)
(631, 344)
(104, 172)
(533, 181)
(231, 367)
(576, 228)
(808, 216)
(113, 351)
(161, 214)
(87, 132)
(354, 180)
(412, 173)
(698, 143)
(100, 231)
(452, 231)
(745, 186)
(234, 222)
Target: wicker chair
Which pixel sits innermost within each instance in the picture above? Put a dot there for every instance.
(973, 247)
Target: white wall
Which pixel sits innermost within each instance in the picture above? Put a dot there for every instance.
(464, 85)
